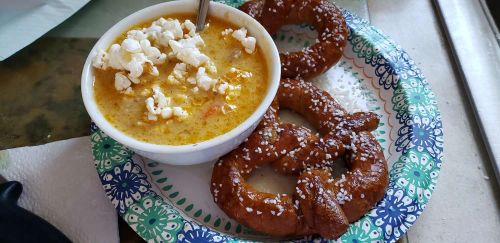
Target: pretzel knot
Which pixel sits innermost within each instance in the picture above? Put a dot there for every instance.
(323, 15)
(321, 204)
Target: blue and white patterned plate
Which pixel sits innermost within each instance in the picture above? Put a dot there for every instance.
(167, 203)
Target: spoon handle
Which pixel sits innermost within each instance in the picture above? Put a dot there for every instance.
(202, 14)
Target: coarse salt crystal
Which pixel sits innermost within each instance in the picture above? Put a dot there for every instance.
(347, 89)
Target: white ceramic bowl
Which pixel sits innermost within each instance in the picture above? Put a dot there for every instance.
(192, 153)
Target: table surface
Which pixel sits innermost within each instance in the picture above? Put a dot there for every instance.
(41, 102)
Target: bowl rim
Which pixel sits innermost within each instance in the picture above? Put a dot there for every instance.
(87, 80)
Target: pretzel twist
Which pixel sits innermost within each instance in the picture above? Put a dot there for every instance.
(323, 15)
(321, 204)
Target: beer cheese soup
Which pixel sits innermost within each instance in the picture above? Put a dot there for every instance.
(164, 83)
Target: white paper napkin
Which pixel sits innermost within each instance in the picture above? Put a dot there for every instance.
(61, 185)
(22, 22)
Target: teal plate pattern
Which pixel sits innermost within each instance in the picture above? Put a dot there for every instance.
(411, 133)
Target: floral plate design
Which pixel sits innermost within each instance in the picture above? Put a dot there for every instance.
(165, 203)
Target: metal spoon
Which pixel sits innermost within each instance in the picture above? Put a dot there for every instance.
(202, 14)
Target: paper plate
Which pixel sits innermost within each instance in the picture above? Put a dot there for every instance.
(165, 203)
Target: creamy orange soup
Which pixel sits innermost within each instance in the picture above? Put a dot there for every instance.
(205, 113)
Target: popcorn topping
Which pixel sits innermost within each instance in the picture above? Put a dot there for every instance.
(141, 51)
(136, 50)
(121, 82)
(222, 88)
(114, 57)
(100, 60)
(186, 50)
(227, 32)
(136, 35)
(131, 45)
(152, 53)
(163, 31)
(160, 105)
(204, 81)
(249, 44)
(190, 27)
(131, 56)
(178, 74)
(179, 112)
(241, 35)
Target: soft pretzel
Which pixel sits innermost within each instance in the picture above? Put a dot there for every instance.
(321, 204)
(323, 15)
(324, 113)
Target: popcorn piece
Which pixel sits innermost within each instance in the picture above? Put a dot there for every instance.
(191, 56)
(121, 81)
(150, 106)
(245, 74)
(222, 88)
(226, 108)
(240, 34)
(166, 113)
(186, 50)
(100, 60)
(211, 68)
(179, 112)
(158, 104)
(154, 71)
(190, 27)
(204, 81)
(163, 31)
(165, 37)
(160, 98)
(171, 25)
(178, 74)
(153, 31)
(227, 31)
(131, 45)
(152, 53)
(191, 42)
(247, 42)
(180, 70)
(136, 35)
(128, 91)
(135, 66)
(114, 57)
(152, 117)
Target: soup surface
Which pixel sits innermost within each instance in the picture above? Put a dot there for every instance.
(180, 103)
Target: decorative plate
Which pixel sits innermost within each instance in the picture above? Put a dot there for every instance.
(165, 203)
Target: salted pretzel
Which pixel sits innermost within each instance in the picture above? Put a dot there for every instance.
(321, 204)
(323, 15)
